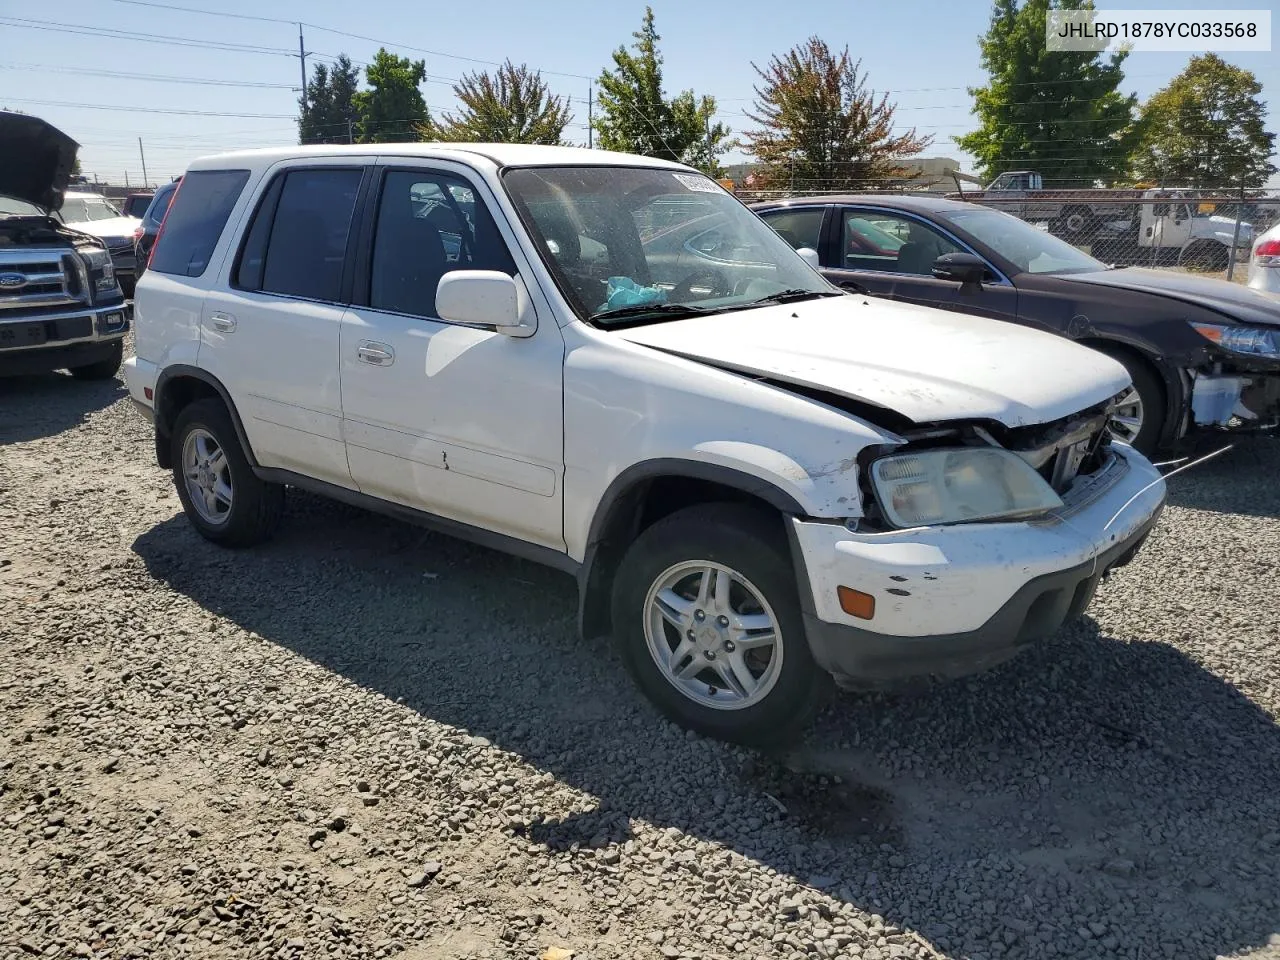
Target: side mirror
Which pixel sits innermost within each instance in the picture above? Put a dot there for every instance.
(964, 268)
(489, 298)
(809, 256)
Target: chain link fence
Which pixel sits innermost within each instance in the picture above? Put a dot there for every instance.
(1204, 230)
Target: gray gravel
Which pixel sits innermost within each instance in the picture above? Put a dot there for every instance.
(368, 741)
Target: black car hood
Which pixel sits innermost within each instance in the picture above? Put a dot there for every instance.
(36, 160)
(1231, 299)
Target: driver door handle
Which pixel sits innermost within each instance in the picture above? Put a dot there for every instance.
(375, 353)
(222, 322)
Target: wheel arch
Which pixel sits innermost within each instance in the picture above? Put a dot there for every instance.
(1169, 377)
(177, 387)
(645, 493)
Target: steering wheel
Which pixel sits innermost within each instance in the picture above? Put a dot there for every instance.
(719, 283)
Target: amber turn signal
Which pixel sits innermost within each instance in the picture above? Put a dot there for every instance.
(856, 603)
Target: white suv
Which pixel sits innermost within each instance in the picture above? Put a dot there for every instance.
(608, 364)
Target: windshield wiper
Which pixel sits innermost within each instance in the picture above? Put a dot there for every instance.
(790, 295)
(668, 310)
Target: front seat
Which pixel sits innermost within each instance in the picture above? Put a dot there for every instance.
(915, 258)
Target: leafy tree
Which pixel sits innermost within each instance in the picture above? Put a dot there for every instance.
(514, 105)
(636, 116)
(1060, 113)
(1206, 128)
(392, 110)
(327, 114)
(820, 127)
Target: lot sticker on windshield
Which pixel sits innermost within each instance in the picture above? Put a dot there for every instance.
(696, 183)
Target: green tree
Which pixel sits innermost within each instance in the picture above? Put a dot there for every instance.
(636, 116)
(1060, 113)
(821, 128)
(1206, 128)
(327, 114)
(392, 109)
(513, 105)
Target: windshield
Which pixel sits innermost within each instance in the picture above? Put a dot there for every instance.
(623, 239)
(1032, 250)
(85, 209)
(9, 207)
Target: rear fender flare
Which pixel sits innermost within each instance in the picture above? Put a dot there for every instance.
(165, 416)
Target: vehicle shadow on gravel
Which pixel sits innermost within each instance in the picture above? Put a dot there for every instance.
(1095, 796)
(51, 403)
(1240, 481)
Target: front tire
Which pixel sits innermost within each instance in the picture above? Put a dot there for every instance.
(707, 619)
(1139, 417)
(223, 499)
(103, 369)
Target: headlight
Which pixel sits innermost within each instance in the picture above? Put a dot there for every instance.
(102, 274)
(959, 484)
(1253, 341)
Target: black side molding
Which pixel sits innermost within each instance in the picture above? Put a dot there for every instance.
(454, 528)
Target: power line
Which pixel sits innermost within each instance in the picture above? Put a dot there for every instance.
(148, 77)
(212, 13)
(185, 113)
(113, 34)
(342, 33)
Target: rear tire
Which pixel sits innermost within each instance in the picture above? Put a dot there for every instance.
(1207, 257)
(224, 500)
(751, 689)
(103, 369)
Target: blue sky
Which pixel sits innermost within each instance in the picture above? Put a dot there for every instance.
(923, 52)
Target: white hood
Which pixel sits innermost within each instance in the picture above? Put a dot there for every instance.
(926, 364)
(111, 227)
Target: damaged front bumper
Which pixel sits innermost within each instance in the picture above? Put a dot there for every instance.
(1236, 399)
(954, 600)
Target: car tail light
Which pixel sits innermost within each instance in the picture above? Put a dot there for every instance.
(155, 244)
(1267, 253)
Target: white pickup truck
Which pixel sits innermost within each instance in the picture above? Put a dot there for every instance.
(606, 363)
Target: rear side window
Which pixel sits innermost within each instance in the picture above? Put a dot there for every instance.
(191, 229)
(800, 228)
(160, 204)
(297, 242)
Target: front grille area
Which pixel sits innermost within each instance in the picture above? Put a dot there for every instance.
(36, 278)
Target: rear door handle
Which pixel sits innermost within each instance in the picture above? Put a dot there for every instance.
(378, 354)
(222, 322)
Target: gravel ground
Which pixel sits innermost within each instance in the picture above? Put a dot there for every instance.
(368, 741)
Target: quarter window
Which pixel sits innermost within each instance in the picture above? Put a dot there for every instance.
(429, 224)
(200, 209)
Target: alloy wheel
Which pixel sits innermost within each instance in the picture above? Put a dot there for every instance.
(713, 635)
(1126, 418)
(207, 475)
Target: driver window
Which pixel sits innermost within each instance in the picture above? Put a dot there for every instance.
(429, 224)
(892, 243)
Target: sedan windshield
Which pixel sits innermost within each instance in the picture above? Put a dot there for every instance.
(1031, 249)
(86, 209)
(643, 244)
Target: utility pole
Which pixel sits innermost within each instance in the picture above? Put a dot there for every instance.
(141, 154)
(591, 103)
(350, 131)
(302, 62)
(711, 164)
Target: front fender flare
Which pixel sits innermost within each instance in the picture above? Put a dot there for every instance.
(614, 521)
